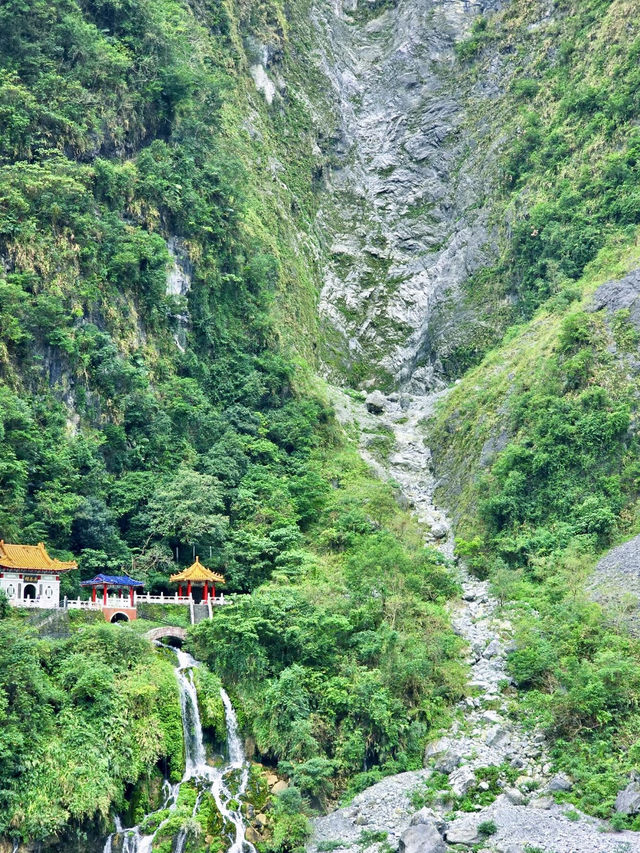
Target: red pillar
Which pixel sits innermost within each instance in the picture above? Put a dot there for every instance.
(104, 594)
(206, 591)
(131, 595)
(93, 594)
(189, 588)
(213, 590)
(180, 590)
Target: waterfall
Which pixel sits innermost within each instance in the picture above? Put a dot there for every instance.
(219, 786)
(214, 780)
(195, 756)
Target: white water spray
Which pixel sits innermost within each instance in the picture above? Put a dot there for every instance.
(214, 780)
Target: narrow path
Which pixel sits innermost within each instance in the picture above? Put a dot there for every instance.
(483, 733)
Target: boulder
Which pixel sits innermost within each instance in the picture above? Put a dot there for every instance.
(493, 648)
(439, 530)
(497, 736)
(436, 748)
(461, 780)
(279, 787)
(427, 815)
(422, 838)
(560, 782)
(448, 762)
(252, 836)
(376, 402)
(628, 800)
(515, 797)
(464, 830)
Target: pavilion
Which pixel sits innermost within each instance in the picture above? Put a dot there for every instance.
(115, 607)
(29, 577)
(197, 575)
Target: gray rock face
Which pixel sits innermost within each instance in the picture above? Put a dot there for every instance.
(376, 402)
(616, 581)
(403, 215)
(560, 782)
(628, 801)
(621, 294)
(422, 838)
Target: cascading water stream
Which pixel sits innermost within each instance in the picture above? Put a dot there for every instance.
(214, 780)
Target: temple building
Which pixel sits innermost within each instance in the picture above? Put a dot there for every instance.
(29, 577)
(197, 577)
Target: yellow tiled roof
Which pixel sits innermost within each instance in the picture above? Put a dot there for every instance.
(197, 572)
(31, 557)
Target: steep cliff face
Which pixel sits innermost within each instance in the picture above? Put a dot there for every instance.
(402, 219)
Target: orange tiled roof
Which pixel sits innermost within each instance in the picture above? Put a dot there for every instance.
(197, 572)
(31, 557)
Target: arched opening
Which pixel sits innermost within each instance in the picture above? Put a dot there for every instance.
(119, 617)
(29, 591)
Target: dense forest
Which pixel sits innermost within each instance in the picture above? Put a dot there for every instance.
(160, 396)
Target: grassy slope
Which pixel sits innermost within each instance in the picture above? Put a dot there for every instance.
(567, 171)
(537, 445)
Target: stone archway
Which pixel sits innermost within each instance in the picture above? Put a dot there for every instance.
(29, 592)
(119, 617)
(172, 633)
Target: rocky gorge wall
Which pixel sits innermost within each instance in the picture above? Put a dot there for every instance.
(402, 219)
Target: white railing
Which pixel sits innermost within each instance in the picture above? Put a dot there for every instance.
(99, 603)
(122, 602)
(147, 598)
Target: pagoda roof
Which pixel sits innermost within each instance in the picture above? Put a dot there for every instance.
(31, 558)
(197, 572)
(112, 580)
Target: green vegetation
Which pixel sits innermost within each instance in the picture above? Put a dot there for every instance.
(539, 442)
(137, 422)
(539, 506)
(82, 719)
(565, 182)
(344, 659)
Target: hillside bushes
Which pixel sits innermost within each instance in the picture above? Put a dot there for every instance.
(82, 719)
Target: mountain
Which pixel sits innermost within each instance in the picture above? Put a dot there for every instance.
(223, 224)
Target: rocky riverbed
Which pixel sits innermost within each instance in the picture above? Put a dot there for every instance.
(487, 784)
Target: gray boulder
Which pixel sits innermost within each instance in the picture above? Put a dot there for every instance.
(464, 830)
(422, 838)
(628, 800)
(427, 815)
(493, 648)
(376, 402)
(436, 748)
(515, 797)
(560, 782)
(461, 780)
(448, 762)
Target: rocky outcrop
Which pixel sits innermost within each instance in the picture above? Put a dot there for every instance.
(628, 801)
(621, 294)
(403, 216)
(615, 583)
